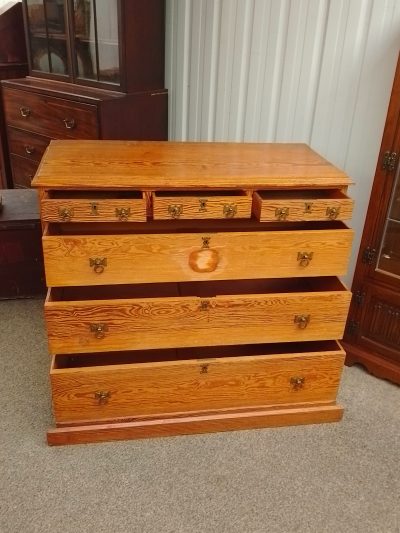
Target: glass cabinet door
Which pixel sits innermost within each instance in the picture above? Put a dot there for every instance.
(48, 36)
(95, 44)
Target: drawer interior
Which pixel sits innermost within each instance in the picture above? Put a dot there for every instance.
(198, 193)
(95, 195)
(97, 359)
(304, 194)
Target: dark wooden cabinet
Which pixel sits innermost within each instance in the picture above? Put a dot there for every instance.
(96, 72)
(373, 329)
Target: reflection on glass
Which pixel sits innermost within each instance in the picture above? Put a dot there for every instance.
(107, 36)
(58, 56)
(389, 255)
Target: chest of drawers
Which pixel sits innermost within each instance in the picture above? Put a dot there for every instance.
(192, 286)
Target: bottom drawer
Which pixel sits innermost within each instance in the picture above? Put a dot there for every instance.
(106, 386)
(23, 170)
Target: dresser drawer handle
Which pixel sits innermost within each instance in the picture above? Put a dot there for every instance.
(229, 210)
(123, 213)
(65, 213)
(297, 382)
(25, 112)
(302, 320)
(332, 212)
(29, 149)
(304, 258)
(69, 123)
(98, 264)
(102, 396)
(99, 330)
(175, 210)
(203, 205)
(281, 213)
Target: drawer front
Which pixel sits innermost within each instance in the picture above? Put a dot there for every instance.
(272, 207)
(27, 145)
(211, 205)
(71, 260)
(94, 210)
(23, 170)
(54, 117)
(111, 325)
(144, 389)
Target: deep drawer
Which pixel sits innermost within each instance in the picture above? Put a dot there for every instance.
(53, 117)
(27, 145)
(71, 259)
(101, 386)
(195, 314)
(23, 170)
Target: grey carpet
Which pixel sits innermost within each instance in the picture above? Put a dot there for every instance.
(332, 478)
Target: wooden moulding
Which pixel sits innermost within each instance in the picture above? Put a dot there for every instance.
(225, 420)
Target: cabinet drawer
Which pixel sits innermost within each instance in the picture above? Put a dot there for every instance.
(201, 205)
(107, 386)
(83, 206)
(292, 206)
(193, 314)
(26, 144)
(71, 259)
(54, 117)
(23, 170)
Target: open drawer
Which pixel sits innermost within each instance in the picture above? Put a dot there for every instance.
(96, 206)
(299, 205)
(134, 384)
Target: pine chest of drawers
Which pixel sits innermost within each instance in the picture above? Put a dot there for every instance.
(193, 287)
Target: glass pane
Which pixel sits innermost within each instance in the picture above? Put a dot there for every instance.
(389, 254)
(107, 37)
(55, 16)
(58, 56)
(85, 39)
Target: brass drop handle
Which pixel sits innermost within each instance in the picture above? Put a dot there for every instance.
(98, 264)
(25, 112)
(229, 210)
(69, 123)
(302, 320)
(102, 396)
(297, 382)
(123, 213)
(203, 205)
(205, 305)
(175, 210)
(99, 330)
(332, 212)
(65, 213)
(304, 258)
(281, 213)
(29, 149)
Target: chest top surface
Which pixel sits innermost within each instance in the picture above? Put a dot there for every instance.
(152, 165)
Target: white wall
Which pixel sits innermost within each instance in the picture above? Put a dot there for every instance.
(314, 71)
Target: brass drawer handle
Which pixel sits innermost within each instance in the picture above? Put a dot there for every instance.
(69, 123)
(229, 210)
(98, 264)
(99, 330)
(302, 320)
(297, 382)
(205, 305)
(102, 396)
(304, 258)
(332, 212)
(29, 149)
(123, 213)
(281, 213)
(202, 205)
(175, 210)
(25, 112)
(65, 213)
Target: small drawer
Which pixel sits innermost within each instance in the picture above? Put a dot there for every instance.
(84, 206)
(169, 205)
(128, 384)
(23, 170)
(293, 206)
(54, 117)
(27, 145)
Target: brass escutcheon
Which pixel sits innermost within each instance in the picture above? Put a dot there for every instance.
(304, 258)
(229, 210)
(302, 320)
(206, 242)
(205, 305)
(308, 207)
(98, 264)
(332, 212)
(99, 330)
(202, 205)
(175, 210)
(281, 213)
(65, 213)
(123, 213)
(94, 208)
(102, 396)
(297, 382)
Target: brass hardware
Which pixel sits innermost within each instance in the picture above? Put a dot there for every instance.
(98, 264)
(297, 382)
(65, 213)
(203, 204)
(206, 242)
(281, 213)
(102, 396)
(29, 149)
(175, 210)
(99, 330)
(205, 305)
(94, 208)
(25, 112)
(304, 258)
(307, 207)
(123, 213)
(69, 123)
(332, 212)
(204, 369)
(302, 320)
(229, 210)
